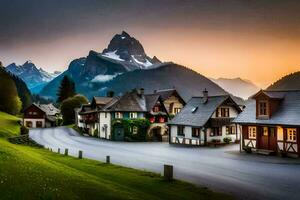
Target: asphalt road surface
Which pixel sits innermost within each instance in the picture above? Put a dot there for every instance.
(220, 169)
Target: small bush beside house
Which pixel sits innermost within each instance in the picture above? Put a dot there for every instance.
(134, 129)
(24, 130)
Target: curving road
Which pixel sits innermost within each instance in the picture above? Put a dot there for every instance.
(221, 169)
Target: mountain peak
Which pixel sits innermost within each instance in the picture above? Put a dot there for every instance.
(125, 34)
(124, 47)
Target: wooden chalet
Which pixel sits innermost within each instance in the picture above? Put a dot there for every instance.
(271, 123)
(40, 116)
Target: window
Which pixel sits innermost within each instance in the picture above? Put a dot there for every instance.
(29, 124)
(224, 112)
(177, 110)
(291, 135)
(34, 113)
(252, 132)
(105, 115)
(216, 131)
(195, 132)
(132, 115)
(230, 130)
(262, 108)
(134, 130)
(180, 130)
(156, 109)
(265, 131)
(118, 115)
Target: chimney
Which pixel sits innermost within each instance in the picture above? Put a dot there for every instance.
(205, 96)
(110, 93)
(140, 91)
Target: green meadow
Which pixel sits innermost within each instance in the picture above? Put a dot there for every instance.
(34, 173)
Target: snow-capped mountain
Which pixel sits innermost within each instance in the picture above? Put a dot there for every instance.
(123, 47)
(30, 74)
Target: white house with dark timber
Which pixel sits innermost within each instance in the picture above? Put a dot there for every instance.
(205, 119)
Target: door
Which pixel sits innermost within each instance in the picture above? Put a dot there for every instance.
(39, 124)
(156, 134)
(119, 134)
(272, 139)
(264, 138)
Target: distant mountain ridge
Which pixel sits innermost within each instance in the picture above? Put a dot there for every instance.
(123, 66)
(30, 74)
(288, 82)
(237, 86)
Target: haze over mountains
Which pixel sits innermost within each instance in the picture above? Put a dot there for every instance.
(237, 86)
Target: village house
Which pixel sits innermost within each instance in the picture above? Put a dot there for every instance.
(205, 120)
(87, 117)
(41, 116)
(271, 123)
(107, 120)
(172, 100)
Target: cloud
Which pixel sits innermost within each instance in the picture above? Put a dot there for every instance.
(104, 78)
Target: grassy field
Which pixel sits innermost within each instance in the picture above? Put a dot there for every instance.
(34, 173)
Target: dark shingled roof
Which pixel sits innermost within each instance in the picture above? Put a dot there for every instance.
(49, 109)
(166, 93)
(131, 102)
(196, 113)
(102, 100)
(288, 112)
(151, 100)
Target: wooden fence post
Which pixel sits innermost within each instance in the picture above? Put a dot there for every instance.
(80, 154)
(66, 152)
(168, 172)
(107, 159)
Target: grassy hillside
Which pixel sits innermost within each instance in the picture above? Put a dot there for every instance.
(9, 125)
(34, 173)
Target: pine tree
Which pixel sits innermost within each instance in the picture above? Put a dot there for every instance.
(66, 89)
(9, 99)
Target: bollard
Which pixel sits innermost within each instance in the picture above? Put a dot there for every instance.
(66, 152)
(107, 159)
(80, 154)
(168, 172)
(58, 150)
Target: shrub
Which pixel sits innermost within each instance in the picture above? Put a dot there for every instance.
(95, 133)
(24, 130)
(227, 140)
(68, 106)
(142, 126)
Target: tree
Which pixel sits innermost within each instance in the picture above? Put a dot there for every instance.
(68, 106)
(66, 89)
(9, 99)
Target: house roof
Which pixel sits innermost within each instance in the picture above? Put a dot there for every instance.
(131, 101)
(197, 113)
(166, 93)
(102, 100)
(286, 114)
(271, 94)
(151, 100)
(48, 109)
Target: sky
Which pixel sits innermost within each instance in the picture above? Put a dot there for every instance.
(256, 40)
